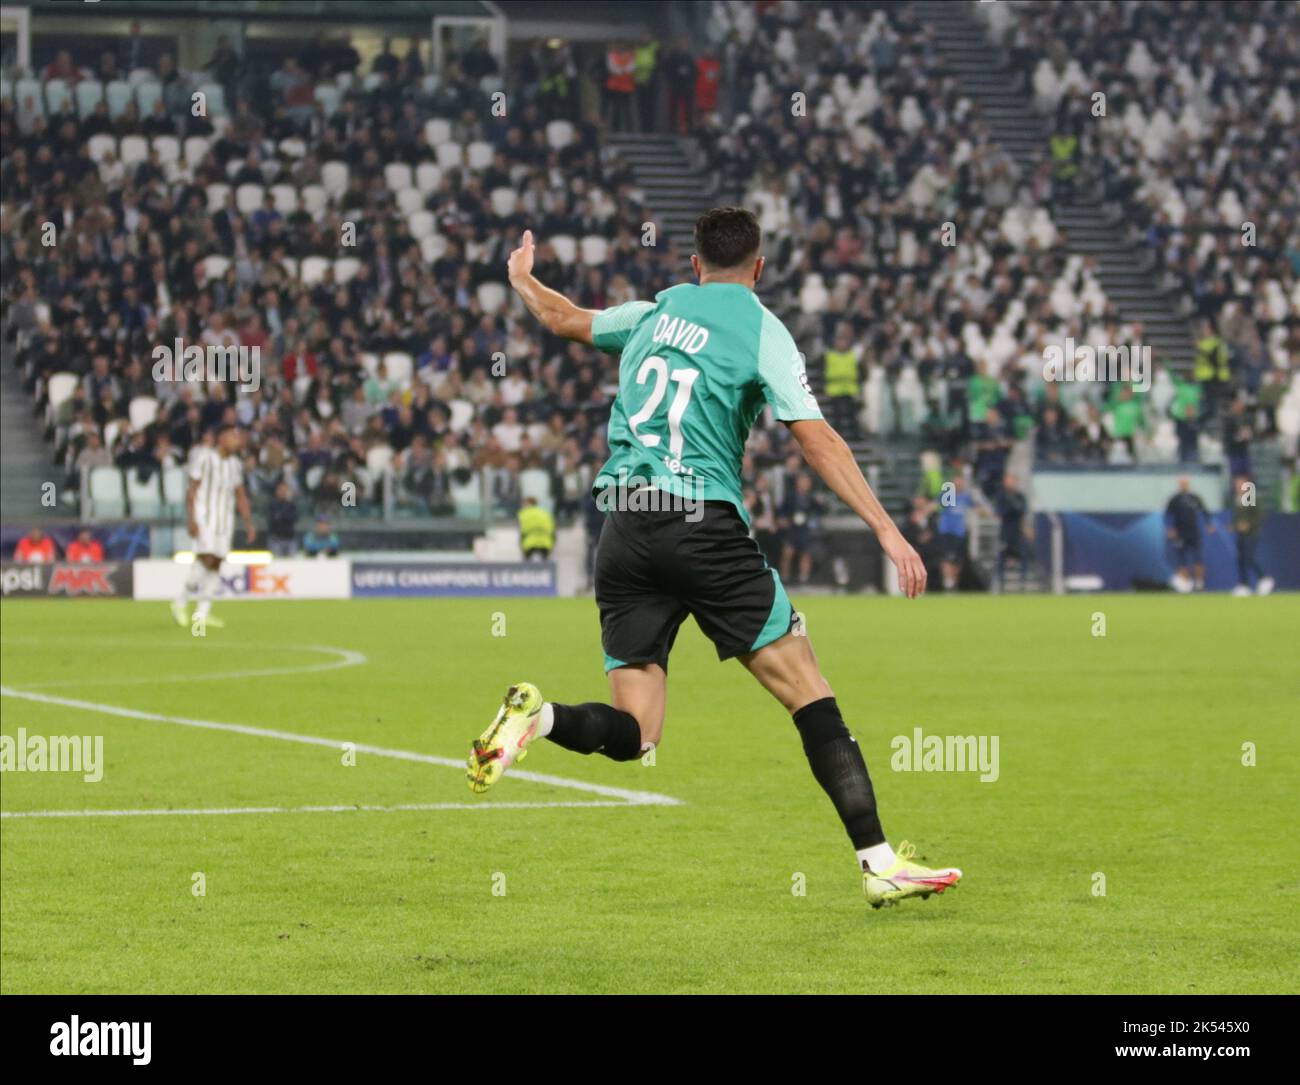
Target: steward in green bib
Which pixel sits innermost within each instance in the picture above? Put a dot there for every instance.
(536, 531)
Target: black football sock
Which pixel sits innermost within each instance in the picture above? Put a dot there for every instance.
(596, 728)
(838, 766)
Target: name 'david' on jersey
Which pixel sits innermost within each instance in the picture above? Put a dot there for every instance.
(680, 334)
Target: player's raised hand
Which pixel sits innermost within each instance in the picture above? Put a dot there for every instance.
(521, 260)
(911, 569)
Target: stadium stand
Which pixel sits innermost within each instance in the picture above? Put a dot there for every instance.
(941, 209)
(392, 362)
(928, 250)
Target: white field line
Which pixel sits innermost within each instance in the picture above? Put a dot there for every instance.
(346, 658)
(401, 807)
(635, 798)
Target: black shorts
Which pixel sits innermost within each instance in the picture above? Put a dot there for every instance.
(952, 548)
(1015, 546)
(1187, 550)
(655, 568)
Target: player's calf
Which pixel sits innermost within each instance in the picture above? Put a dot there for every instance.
(594, 728)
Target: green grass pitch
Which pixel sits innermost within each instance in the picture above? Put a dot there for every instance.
(1120, 755)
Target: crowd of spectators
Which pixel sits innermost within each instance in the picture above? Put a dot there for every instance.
(922, 270)
(919, 270)
(351, 225)
(351, 221)
(1195, 142)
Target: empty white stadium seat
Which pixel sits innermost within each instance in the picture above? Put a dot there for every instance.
(215, 267)
(145, 96)
(421, 224)
(492, 296)
(168, 148)
(504, 201)
(398, 176)
(58, 96)
(478, 155)
(467, 497)
(334, 178)
(432, 247)
(214, 96)
(286, 198)
(118, 95)
(399, 365)
(248, 198)
(462, 414)
(89, 93)
(536, 482)
(409, 200)
(345, 268)
(100, 145)
(107, 498)
(566, 249)
(174, 485)
(378, 457)
(133, 149)
(427, 177)
(58, 391)
(436, 131)
(144, 498)
(29, 96)
(450, 156)
(312, 270)
(217, 196)
(142, 411)
(328, 98)
(314, 200)
(594, 250)
(195, 148)
(559, 134)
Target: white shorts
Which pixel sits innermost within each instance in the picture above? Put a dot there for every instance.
(216, 543)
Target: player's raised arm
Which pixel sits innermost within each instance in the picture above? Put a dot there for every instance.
(556, 312)
(832, 459)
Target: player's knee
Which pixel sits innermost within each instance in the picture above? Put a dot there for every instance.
(806, 688)
(649, 721)
(650, 729)
(625, 742)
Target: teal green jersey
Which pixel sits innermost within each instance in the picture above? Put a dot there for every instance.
(699, 364)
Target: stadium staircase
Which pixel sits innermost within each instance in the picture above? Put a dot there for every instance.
(984, 73)
(676, 193)
(24, 455)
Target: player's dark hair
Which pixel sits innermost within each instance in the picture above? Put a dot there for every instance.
(727, 237)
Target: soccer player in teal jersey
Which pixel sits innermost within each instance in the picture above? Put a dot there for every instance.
(698, 365)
